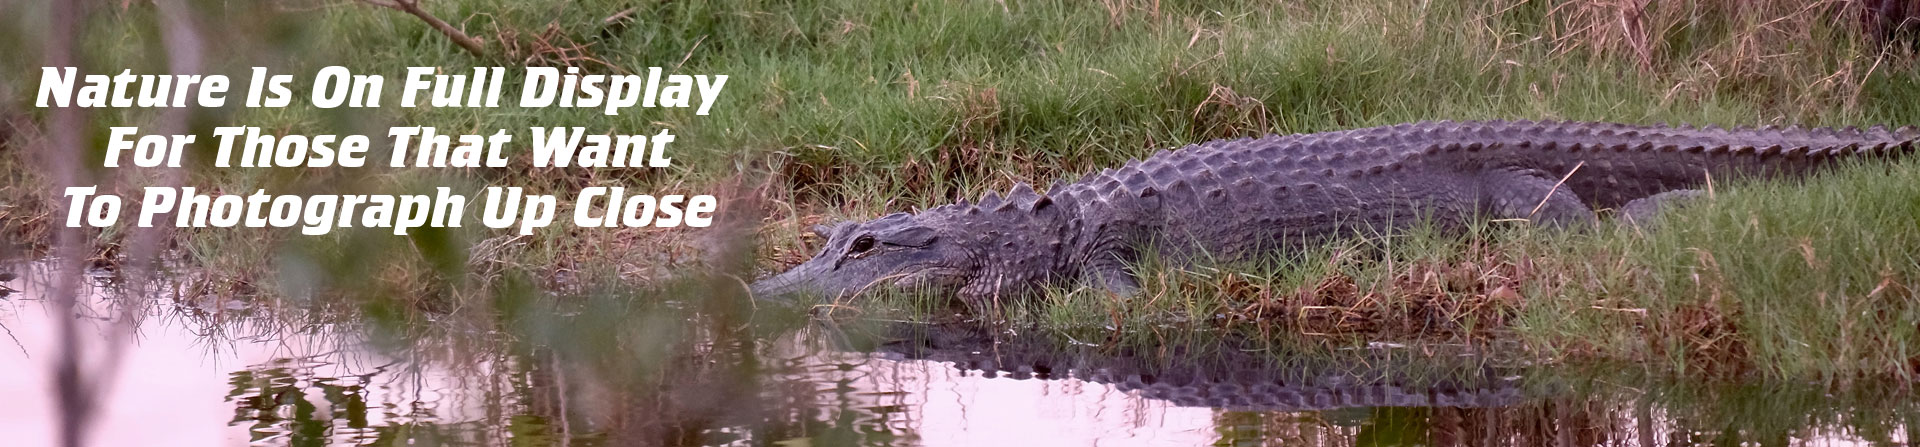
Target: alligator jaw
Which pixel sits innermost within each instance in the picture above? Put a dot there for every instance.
(789, 285)
(811, 280)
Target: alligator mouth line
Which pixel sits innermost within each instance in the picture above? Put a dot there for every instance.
(842, 299)
(888, 280)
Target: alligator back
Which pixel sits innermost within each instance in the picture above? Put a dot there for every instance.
(1247, 199)
(1234, 197)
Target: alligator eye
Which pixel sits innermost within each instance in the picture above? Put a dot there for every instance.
(861, 245)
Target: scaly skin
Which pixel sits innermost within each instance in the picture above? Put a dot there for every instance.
(1241, 199)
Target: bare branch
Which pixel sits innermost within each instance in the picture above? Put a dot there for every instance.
(466, 42)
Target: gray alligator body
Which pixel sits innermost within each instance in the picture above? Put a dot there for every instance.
(1240, 199)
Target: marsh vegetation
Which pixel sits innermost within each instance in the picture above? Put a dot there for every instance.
(842, 110)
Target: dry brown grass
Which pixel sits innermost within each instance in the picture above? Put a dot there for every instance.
(1467, 295)
(1227, 113)
(1709, 47)
(1120, 11)
(25, 207)
(552, 47)
(1476, 292)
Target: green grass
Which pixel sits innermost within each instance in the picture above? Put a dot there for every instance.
(838, 109)
(1734, 285)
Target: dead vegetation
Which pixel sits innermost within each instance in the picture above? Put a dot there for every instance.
(412, 7)
(551, 47)
(1711, 47)
(1471, 295)
(1227, 114)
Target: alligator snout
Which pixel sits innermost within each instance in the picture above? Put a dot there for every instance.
(804, 280)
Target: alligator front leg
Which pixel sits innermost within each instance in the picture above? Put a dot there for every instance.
(1118, 282)
(1112, 276)
(1534, 198)
(1645, 212)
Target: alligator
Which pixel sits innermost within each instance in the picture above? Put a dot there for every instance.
(1232, 200)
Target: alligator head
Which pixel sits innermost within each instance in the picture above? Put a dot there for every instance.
(974, 252)
(897, 252)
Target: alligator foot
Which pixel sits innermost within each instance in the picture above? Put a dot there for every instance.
(1116, 280)
(1645, 212)
(1537, 199)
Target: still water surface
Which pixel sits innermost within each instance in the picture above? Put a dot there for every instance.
(200, 372)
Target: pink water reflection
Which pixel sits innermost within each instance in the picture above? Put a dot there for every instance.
(173, 384)
(943, 405)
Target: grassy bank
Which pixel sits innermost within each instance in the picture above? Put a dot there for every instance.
(839, 110)
(1822, 288)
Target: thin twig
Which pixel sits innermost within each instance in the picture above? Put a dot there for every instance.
(619, 16)
(23, 347)
(1556, 187)
(413, 7)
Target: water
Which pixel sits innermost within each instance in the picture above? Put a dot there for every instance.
(211, 369)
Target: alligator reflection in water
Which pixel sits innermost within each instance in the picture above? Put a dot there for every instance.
(1255, 394)
(1230, 392)
(673, 373)
(1221, 373)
